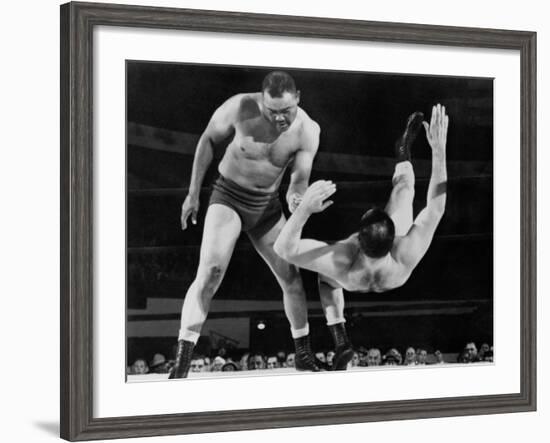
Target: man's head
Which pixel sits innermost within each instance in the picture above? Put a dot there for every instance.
(374, 357)
(471, 349)
(410, 356)
(217, 364)
(197, 364)
(280, 99)
(376, 233)
(483, 349)
(392, 357)
(290, 360)
(272, 362)
(421, 356)
(140, 367)
(256, 361)
(244, 361)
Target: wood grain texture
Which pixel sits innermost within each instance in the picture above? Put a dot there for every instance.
(77, 23)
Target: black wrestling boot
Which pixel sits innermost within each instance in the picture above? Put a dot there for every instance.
(344, 351)
(305, 360)
(404, 143)
(183, 359)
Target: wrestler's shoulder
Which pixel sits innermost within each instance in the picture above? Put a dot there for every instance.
(307, 123)
(246, 102)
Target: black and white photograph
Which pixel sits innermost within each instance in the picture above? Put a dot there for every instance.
(283, 220)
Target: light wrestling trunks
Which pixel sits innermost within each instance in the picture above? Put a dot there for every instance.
(259, 211)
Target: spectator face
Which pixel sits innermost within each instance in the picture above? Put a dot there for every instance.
(140, 367)
(197, 365)
(464, 357)
(272, 363)
(355, 360)
(290, 360)
(410, 356)
(244, 362)
(218, 364)
(321, 357)
(471, 349)
(393, 357)
(256, 362)
(421, 356)
(483, 349)
(330, 357)
(374, 357)
(439, 356)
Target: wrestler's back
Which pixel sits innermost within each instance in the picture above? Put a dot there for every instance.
(367, 275)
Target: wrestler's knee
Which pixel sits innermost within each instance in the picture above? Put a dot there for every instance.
(290, 280)
(403, 181)
(209, 277)
(403, 186)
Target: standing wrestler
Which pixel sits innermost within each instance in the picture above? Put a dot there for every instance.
(270, 132)
(388, 246)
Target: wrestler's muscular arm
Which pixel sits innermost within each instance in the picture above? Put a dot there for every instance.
(220, 126)
(414, 245)
(301, 167)
(310, 254)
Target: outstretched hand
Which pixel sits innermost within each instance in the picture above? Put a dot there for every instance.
(436, 131)
(315, 198)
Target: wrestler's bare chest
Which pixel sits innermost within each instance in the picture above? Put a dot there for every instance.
(253, 142)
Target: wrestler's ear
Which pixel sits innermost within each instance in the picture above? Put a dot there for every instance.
(297, 97)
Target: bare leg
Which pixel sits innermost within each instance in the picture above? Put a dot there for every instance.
(222, 227)
(294, 296)
(287, 275)
(332, 301)
(400, 205)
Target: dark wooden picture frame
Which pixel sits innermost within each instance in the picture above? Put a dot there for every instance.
(77, 23)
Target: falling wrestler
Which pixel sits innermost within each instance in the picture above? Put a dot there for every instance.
(389, 244)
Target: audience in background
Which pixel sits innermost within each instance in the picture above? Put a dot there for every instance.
(421, 356)
(354, 360)
(363, 357)
(217, 364)
(281, 358)
(290, 360)
(272, 362)
(439, 357)
(230, 366)
(321, 357)
(198, 364)
(256, 361)
(243, 362)
(140, 367)
(392, 358)
(330, 358)
(471, 350)
(410, 356)
(374, 357)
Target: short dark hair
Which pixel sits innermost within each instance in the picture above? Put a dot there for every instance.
(276, 83)
(376, 233)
